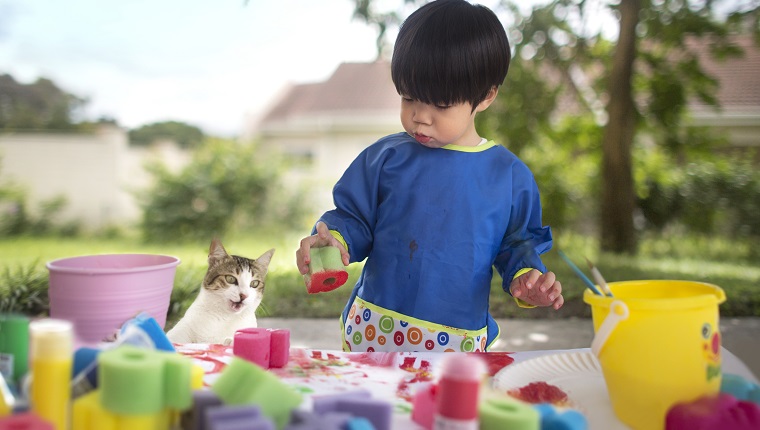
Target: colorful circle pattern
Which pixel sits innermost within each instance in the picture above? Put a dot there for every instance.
(369, 330)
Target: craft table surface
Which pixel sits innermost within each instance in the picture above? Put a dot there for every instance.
(393, 377)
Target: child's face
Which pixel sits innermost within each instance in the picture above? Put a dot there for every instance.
(438, 126)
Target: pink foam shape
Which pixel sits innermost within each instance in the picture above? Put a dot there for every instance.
(254, 345)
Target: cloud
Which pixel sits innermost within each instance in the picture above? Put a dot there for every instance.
(207, 63)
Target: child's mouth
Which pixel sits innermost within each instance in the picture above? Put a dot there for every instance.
(421, 138)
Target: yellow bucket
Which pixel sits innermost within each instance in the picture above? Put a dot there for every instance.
(660, 345)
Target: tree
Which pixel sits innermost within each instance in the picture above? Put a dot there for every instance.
(185, 135)
(655, 71)
(618, 198)
(41, 105)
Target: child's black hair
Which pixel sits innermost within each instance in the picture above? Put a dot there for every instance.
(449, 52)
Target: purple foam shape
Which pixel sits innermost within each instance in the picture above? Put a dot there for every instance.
(237, 417)
(304, 420)
(723, 411)
(195, 418)
(378, 412)
(328, 402)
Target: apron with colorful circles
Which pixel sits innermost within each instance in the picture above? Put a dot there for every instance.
(372, 328)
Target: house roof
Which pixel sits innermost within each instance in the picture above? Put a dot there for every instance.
(362, 89)
(738, 77)
(359, 88)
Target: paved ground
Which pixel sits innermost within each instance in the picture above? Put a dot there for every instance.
(741, 336)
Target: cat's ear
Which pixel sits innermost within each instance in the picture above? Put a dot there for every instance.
(216, 251)
(265, 258)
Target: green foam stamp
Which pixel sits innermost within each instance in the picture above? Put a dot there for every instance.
(505, 413)
(244, 383)
(326, 270)
(138, 381)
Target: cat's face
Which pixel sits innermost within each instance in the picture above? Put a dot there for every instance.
(236, 282)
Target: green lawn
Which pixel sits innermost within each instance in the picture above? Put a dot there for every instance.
(729, 264)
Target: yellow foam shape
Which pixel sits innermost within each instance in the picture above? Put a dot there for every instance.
(89, 414)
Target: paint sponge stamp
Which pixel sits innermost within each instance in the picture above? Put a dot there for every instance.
(326, 270)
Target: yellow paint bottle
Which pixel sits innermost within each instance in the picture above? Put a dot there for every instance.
(51, 353)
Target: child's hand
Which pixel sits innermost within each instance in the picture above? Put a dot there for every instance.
(538, 289)
(321, 239)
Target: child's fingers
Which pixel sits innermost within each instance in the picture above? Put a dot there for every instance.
(322, 231)
(531, 278)
(559, 302)
(516, 291)
(302, 257)
(546, 281)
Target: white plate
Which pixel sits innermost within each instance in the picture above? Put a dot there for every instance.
(576, 373)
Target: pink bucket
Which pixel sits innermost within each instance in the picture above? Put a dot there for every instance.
(98, 293)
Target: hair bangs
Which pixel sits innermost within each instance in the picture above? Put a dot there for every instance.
(450, 52)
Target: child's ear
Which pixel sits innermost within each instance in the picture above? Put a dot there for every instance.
(492, 93)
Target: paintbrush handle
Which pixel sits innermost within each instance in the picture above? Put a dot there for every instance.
(580, 274)
(597, 275)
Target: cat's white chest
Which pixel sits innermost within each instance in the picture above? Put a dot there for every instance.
(207, 321)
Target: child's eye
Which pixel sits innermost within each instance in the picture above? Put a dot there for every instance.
(230, 279)
(255, 283)
(442, 107)
(407, 99)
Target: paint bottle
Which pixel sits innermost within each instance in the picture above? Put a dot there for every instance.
(457, 392)
(51, 352)
(14, 347)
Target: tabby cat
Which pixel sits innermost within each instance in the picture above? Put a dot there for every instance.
(231, 291)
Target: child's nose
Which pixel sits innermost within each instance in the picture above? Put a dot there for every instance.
(421, 113)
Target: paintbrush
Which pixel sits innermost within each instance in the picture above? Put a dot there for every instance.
(580, 274)
(597, 275)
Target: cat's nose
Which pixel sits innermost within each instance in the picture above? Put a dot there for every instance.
(243, 297)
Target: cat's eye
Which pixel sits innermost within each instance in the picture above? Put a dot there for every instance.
(255, 283)
(230, 279)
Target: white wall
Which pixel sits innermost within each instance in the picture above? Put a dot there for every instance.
(327, 145)
(97, 173)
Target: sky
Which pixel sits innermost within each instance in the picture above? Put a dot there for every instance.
(213, 64)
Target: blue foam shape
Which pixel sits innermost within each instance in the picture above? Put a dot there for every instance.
(378, 412)
(740, 387)
(359, 423)
(551, 419)
(150, 326)
(83, 358)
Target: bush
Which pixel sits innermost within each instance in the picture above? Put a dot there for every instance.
(16, 219)
(23, 290)
(225, 185)
(720, 197)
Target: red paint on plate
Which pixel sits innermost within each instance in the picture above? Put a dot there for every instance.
(540, 392)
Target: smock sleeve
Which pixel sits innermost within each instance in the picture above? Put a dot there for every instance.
(356, 197)
(526, 238)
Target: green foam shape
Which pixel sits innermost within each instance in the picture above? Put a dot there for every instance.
(502, 412)
(244, 383)
(131, 381)
(139, 381)
(178, 389)
(325, 258)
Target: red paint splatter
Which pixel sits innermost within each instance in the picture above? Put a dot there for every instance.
(422, 374)
(495, 361)
(540, 392)
(377, 359)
